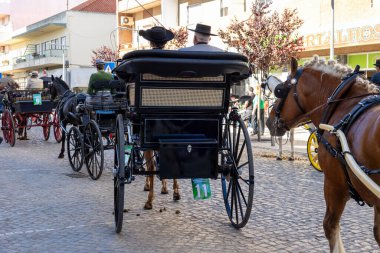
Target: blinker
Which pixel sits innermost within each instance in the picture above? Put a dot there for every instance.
(281, 91)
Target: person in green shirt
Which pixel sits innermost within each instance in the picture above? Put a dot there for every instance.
(100, 75)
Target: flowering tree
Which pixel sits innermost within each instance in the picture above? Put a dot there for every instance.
(267, 39)
(104, 53)
(180, 38)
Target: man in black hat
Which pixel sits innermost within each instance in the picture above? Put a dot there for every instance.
(202, 37)
(157, 36)
(376, 77)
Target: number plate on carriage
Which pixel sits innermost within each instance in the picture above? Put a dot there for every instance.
(201, 188)
(37, 100)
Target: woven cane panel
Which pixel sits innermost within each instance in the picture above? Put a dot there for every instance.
(151, 77)
(182, 97)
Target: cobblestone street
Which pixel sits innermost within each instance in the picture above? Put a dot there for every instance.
(47, 207)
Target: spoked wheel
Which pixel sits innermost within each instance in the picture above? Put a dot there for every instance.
(46, 126)
(7, 125)
(312, 151)
(238, 176)
(93, 150)
(119, 173)
(57, 128)
(75, 148)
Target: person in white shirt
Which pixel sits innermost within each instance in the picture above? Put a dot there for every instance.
(34, 82)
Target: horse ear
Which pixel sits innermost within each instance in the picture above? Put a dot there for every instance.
(52, 77)
(60, 77)
(293, 66)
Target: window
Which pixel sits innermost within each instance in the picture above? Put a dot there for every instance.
(52, 45)
(38, 48)
(63, 42)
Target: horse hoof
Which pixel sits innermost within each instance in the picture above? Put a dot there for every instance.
(164, 191)
(146, 188)
(176, 196)
(61, 156)
(278, 158)
(148, 206)
(291, 159)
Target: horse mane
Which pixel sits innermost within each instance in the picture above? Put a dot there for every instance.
(62, 82)
(339, 71)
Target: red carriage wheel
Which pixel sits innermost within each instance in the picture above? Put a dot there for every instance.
(46, 126)
(57, 128)
(7, 125)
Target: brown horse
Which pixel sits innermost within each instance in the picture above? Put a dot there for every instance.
(304, 98)
(149, 186)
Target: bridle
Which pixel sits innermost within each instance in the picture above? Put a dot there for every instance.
(282, 91)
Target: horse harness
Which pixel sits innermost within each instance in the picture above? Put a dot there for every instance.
(366, 103)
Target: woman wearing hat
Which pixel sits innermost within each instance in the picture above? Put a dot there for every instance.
(157, 36)
(376, 77)
(202, 37)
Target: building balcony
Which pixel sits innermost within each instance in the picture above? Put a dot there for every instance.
(48, 58)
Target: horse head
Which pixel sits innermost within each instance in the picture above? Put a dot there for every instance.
(57, 87)
(288, 96)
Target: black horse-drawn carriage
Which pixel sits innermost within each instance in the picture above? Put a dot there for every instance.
(23, 109)
(178, 108)
(96, 123)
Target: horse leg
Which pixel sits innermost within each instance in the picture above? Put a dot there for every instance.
(176, 195)
(335, 203)
(148, 155)
(376, 227)
(62, 153)
(164, 189)
(279, 155)
(291, 139)
(146, 186)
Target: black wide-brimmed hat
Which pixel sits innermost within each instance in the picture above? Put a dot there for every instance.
(204, 29)
(377, 64)
(157, 34)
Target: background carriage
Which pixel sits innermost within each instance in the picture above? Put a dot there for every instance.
(178, 109)
(23, 109)
(96, 125)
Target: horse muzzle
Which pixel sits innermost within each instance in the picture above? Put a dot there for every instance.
(276, 127)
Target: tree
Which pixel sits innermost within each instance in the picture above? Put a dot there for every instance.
(267, 39)
(181, 36)
(104, 53)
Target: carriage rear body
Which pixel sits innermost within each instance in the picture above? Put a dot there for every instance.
(178, 108)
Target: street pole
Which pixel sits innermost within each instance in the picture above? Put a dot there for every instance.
(332, 32)
(63, 66)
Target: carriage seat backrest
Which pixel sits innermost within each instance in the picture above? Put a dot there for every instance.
(182, 64)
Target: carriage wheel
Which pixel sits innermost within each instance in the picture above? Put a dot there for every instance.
(93, 150)
(312, 151)
(238, 180)
(57, 128)
(7, 125)
(75, 148)
(46, 126)
(119, 173)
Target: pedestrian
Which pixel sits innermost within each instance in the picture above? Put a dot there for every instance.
(9, 83)
(157, 36)
(376, 77)
(33, 82)
(99, 76)
(202, 36)
(248, 106)
(256, 103)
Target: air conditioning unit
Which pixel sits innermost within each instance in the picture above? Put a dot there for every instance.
(126, 21)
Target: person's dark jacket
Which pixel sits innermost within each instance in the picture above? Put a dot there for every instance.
(376, 78)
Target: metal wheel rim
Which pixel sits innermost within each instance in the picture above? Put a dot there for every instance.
(119, 174)
(94, 151)
(238, 187)
(75, 149)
